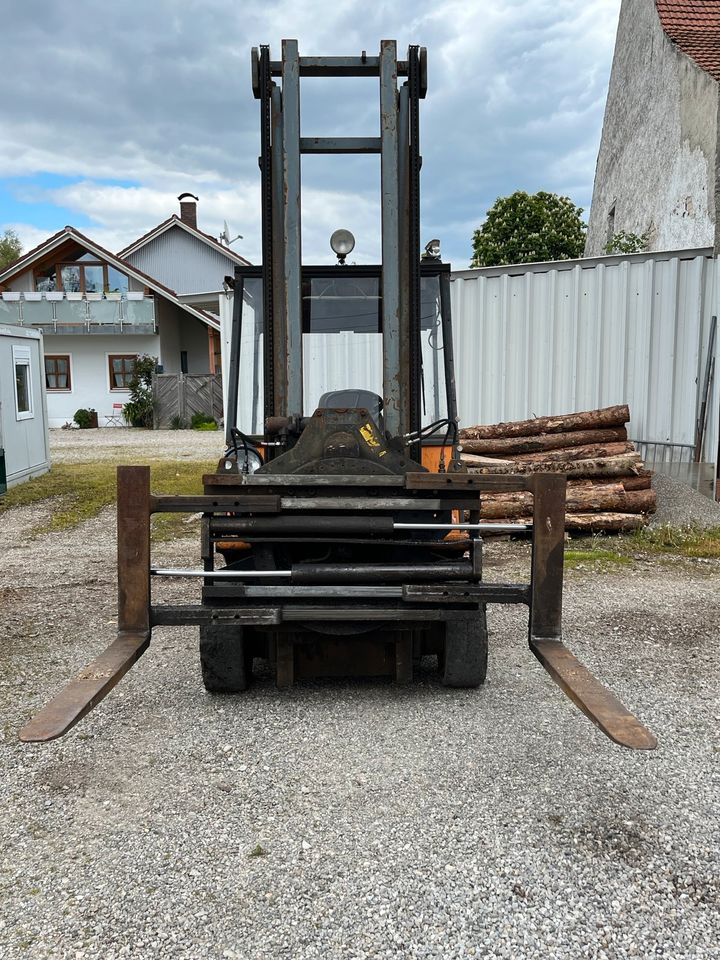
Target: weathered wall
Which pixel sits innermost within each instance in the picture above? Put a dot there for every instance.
(657, 155)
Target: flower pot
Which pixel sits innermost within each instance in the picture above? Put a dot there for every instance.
(73, 295)
(135, 295)
(11, 295)
(32, 295)
(54, 295)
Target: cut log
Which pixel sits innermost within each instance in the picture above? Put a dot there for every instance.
(630, 463)
(588, 451)
(616, 522)
(596, 522)
(614, 416)
(642, 482)
(544, 441)
(608, 497)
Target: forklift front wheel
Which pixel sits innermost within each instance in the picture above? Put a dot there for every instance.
(464, 660)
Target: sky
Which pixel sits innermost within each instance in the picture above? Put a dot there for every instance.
(109, 111)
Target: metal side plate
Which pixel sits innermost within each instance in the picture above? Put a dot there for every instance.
(87, 689)
(594, 699)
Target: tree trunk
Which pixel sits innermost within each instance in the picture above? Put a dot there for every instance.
(630, 463)
(605, 417)
(600, 498)
(545, 441)
(587, 451)
(617, 522)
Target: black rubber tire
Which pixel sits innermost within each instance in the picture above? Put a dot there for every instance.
(225, 659)
(464, 662)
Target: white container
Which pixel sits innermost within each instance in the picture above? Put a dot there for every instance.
(135, 295)
(32, 295)
(54, 295)
(73, 295)
(113, 295)
(94, 296)
(11, 295)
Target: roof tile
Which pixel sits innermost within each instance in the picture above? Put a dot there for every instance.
(694, 25)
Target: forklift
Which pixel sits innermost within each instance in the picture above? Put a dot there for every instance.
(340, 535)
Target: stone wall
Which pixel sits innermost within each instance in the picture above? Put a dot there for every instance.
(656, 166)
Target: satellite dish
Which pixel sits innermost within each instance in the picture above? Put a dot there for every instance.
(225, 235)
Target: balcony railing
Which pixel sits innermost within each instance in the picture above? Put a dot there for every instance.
(73, 313)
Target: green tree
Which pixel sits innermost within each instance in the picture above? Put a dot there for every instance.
(10, 248)
(623, 242)
(527, 228)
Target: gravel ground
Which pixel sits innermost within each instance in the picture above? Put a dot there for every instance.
(681, 506)
(113, 443)
(390, 822)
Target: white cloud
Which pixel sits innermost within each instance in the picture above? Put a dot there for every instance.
(159, 95)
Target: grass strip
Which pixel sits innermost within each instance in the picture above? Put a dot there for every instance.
(80, 491)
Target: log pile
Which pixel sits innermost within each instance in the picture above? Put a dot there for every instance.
(608, 487)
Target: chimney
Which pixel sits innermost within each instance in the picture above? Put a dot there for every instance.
(188, 209)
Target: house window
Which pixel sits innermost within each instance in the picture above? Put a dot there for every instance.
(121, 367)
(86, 274)
(23, 383)
(57, 372)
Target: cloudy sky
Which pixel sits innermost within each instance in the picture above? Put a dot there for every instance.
(109, 111)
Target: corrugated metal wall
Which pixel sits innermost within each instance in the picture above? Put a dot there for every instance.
(182, 262)
(554, 338)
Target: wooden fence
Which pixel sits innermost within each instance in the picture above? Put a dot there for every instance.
(182, 395)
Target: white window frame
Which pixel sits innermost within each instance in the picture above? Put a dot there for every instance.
(22, 357)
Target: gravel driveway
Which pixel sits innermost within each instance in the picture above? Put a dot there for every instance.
(353, 820)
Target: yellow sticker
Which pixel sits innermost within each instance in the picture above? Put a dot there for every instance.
(369, 435)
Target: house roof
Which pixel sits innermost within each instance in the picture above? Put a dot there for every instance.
(694, 25)
(26, 260)
(175, 221)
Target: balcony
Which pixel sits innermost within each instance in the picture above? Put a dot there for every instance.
(57, 312)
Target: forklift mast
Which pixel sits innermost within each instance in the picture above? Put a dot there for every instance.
(276, 83)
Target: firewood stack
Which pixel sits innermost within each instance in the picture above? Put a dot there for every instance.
(608, 487)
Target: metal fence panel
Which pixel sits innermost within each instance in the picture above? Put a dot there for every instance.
(538, 339)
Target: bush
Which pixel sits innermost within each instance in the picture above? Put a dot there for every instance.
(85, 417)
(203, 421)
(177, 423)
(138, 411)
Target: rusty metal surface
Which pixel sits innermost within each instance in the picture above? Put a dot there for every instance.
(87, 689)
(594, 699)
(466, 481)
(548, 553)
(249, 503)
(133, 548)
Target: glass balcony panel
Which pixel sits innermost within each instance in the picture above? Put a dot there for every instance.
(70, 311)
(37, 312)
(9, 311)
(139, 311)
(104, 311)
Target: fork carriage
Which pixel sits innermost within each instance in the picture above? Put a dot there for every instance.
(317, 618)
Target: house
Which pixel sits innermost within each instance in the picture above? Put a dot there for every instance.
(191, 263)
(99, 310)
(658, 159)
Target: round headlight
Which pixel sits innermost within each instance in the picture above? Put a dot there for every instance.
(432, 249)
(342, 242)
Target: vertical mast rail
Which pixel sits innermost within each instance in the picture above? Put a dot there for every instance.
(292, 232)
(395, 416)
